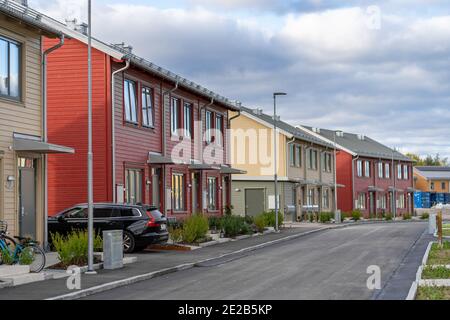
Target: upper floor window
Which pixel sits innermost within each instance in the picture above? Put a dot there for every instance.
(359, 168)
(312, 159)
(405, 172)
(399, 171)
(292, 155)
(174, 116)
(10, 68)
(131, 114)
(295, 155)
(367, 169)
(443, 186)
(380, 170)
(219, 130)
(209, 126)
(298, 156)
(327, 162)
(387, 168)
(147, 107)
(432, 185)
(188, 120)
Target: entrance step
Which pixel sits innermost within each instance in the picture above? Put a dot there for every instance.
(24, 278)
(11, 271)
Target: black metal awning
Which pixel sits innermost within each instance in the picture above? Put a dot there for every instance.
(375, 189)
(159, 159)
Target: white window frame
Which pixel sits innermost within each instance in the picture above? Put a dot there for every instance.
(359, 168)
(133, 185)
(178, 192)
(212, 188)
(7, 85)
(147, 107)
(380, 170)
(367, 168)
(174, 115)
(208, 126)
(406, 172)
(387, 170)
(130, 94)
(218, 129)
(187, 119)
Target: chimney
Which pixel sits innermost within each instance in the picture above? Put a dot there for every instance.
(340, 134)
(316, 130)
(123, 47)
(361, 137)
(22, 2)
(71, 23)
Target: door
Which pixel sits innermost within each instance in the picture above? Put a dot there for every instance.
(195, 192)
(225, 188)
(372, 204)
(254, 202)
(27, 198)
(156, 188)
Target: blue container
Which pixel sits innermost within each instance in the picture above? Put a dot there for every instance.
(447, 198)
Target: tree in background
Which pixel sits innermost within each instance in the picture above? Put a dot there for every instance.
(429, 160)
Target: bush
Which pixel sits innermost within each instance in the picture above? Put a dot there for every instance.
(388, 216)
(215, 223)
(356, 215)
(270, 218)
(260, 222)
(406, 216)
(175, 234)
(195, 228)
(73, 248)
(6, 257)
(425, 216)
(234, 225)
(325, 217)
(229, 210)
(249, 220)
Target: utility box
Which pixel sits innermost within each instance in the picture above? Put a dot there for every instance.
(337, 216)
(113, 249)
(432, 224)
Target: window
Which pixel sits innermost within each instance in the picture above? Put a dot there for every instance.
(327, 162)
(298, 156)
(383, 202)
(432, 186)
(102, 213)
(361, 201)
(311, 197)
(147, 107)
(219, 130)
(178, 191)
(188, 120)
(380, 170)
(367, 169)
(133, 186)
(212, 193)
(130, 101)
(443, 186)
(405, 172)
(10, 68)
(399, 171)
(359, 168)
(312, 159)
(208, 126)
(326, 199)
(401, 201)
(292, 155)
(387, 168)
(174, 116)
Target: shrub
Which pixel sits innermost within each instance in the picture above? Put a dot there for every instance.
(6, 257)
(234, 225)
(195, 228)
(260, 222)
(26, 257)
(270, 218)
(406, 216)
(175, 234)
(425, 216)
(356, 215)
(229, 210)
(249, 220)
(388, 216)
(73, 248)
(215, 223)
(325, 217)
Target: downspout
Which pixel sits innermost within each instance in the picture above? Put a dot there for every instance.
(113, 129)
(164, 142)
(44, 129)
(353, 181)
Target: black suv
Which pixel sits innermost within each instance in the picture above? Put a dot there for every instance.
(141, 224)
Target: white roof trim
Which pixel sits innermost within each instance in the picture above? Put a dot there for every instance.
(266, 124)
(327, 140)
(258, 178)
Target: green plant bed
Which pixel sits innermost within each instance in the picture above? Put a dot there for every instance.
(436, 273)
(446, 233)
(195, 228)
(438, 255)
(234, 226)
(433, 293)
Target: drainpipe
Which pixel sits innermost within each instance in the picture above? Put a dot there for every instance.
(353, 181)
(113, 128)
(44, 131)
(164, 142)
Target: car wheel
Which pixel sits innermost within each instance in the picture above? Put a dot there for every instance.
(129, 243)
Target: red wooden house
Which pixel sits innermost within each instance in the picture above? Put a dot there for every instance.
(158, 138)
(376, 179)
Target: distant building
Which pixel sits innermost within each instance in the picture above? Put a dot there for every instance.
(432, 179)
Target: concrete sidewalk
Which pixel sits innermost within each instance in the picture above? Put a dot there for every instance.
(152, 261)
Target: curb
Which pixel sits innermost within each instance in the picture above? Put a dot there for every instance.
(154, 274)
(415, 285)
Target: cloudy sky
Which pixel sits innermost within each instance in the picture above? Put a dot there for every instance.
(376, 67)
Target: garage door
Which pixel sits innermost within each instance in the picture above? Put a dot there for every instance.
(254, 202)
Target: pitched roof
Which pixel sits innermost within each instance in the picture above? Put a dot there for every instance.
(435, 173)
(28, 16)
(295, 132)
(361, 145)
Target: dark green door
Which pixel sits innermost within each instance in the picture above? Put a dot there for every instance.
(254, 202)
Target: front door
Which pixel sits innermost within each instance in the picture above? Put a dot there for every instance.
(156, 188)
(27, 198)
(372, 204)
(254, 202)
(195, 192)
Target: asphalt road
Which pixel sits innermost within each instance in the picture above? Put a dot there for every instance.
(328, 265)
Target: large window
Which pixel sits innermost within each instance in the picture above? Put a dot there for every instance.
(399, 171)
(212, 193)
(401, 201)
(187, 120)
(311, 197)
(327, 162)
(367, 169)
(383, 202)
(443, 186)
(312, 159)
(147, 107)
(178, 191)
(10, 68)
(174, 116)
(361, 201)
(209, 126)
(219, 130)
(380, 170)
(295, 155)
(130, 104)
(387, 168)
(405, 172)
(133, 186)
(326, 198)
(359, 168)
(292, 155)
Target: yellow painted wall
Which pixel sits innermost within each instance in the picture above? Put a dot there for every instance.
(251, 148)
(425, 185)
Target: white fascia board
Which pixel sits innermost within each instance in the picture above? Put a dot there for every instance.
(240, 177)
(266, 124)
(327, 140)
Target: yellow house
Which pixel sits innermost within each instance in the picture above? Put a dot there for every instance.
(305, 168)
(432, 179)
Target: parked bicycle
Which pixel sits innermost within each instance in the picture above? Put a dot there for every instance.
(24, 251)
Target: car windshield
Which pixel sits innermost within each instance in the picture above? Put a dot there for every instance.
(155, 213)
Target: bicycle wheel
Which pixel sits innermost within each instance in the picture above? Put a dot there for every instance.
(34, 257)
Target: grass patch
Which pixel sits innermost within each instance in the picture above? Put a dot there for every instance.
(439, 256)
(446, 233)
(436, 273)
(433, 293)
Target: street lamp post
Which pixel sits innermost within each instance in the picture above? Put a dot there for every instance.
(90, 154)
(275, 153)
(335, 176)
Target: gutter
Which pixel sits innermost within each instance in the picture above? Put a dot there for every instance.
(113, 128)
(44, 131)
